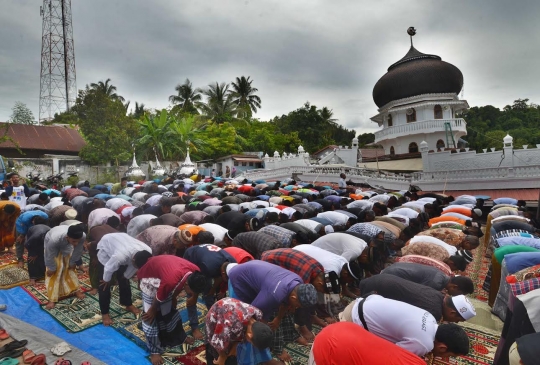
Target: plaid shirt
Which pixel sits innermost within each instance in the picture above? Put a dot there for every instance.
(526, 286)
(281, 234)
(255, 243)
(367, 229)
(296, 261)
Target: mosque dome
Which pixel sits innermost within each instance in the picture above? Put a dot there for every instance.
(416, 74)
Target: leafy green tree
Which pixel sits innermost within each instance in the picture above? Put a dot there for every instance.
(365, 138)
(221, 140)
(107, 130)
(219, 106)
(108, 89)
(187, 132)
(21, 114)
(187, 97)
(67, 117)
(139, 110)
(244, 97)
(156, 133)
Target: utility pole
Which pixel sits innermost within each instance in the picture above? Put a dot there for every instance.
(58, 86)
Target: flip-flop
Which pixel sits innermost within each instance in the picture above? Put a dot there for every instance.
(8, 361)
(28, 356)
(13, 354)
(38, 360)
(62, 361)
(12, 346)
(3, 334)
(3, 307)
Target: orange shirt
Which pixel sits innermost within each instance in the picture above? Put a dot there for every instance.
(445, 218)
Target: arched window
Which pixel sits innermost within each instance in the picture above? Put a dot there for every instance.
(390, 123)
(437, 112)
(413, 147)
(411, 115)
(392, 151)
(440, 145)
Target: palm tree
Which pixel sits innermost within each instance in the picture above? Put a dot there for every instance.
(220, 106)
(156, 133)
(186, 97)
(244, 97)
(187, 133)
(139, 110)
(108, 89)
(327, 114)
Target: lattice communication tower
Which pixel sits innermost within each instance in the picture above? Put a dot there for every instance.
(58, 87)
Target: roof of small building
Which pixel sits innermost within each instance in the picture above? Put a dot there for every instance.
(332, 146)
(44, 138)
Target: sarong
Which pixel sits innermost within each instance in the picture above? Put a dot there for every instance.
(63, 282)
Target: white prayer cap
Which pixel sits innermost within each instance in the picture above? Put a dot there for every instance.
(464, 307)
(328, 229)
(229, 267)
(478, 212)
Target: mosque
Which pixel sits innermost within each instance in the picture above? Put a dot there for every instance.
(422, 136)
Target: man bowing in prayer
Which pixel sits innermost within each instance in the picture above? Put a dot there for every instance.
(63, 248)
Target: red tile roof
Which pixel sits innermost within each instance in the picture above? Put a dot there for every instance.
(371, 152)
(520, 194)
(45, 138)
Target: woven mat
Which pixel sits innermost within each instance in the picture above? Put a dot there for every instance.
(11, 276)
(482, 351)
(134, 332)
(77, 315)
(7, 258)
(477, 271)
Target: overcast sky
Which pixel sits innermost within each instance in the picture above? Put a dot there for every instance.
(330, 53)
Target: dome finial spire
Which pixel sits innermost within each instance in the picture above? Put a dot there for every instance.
(411, 31)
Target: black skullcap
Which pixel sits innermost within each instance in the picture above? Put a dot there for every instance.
(76, 231)
(262, 335)
(9, 208)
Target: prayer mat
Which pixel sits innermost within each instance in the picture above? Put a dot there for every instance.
(12, 275)
(482, 351)
(7, 258)
(133, 331)
(39, 291)
(77, 315)
(196, 356)
(477, 271)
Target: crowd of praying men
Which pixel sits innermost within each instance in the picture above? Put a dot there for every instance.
(269, 260)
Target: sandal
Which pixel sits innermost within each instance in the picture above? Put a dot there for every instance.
(60, 349)
(3, 334)
(62, 361)
(13, 345)
(28, 356)
(9, 361)
(38, 360)
(13, 354)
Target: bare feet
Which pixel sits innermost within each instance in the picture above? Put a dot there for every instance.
(318, 321)
(50, 305)
(93, 292)
(285, 357)
(20, 264)
(156, 359)
(197, 334)
(80, 295)
(32, 282)
(106, 319)
(302, 341)
(133, 309)
(306, 333)
(189, 340)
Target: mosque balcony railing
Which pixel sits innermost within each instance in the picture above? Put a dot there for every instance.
(423, 127)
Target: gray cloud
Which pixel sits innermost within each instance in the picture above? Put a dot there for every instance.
(328, 53)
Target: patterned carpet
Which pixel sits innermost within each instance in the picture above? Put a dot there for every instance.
(39, 291)
(7, 258)
(477, 271)
(11, 276)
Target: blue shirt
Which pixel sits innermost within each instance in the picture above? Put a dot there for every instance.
(24, 222)
(519, 241)
(104, 196)
(208, 258)
(263, 285)
(521, 260)
(505, 201)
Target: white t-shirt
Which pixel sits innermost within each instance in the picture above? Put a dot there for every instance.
(309, 224)
(407, 212)
(381, 198)
(409, 327)
(17, 196)
(416, 204)
(217, 230)
(328, 260)
(337, 219)
(451, 249)
(362, 204)
(342, 244)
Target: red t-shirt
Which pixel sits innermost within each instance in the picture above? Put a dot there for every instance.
(241, 256)
(170, 269)
(348, 343)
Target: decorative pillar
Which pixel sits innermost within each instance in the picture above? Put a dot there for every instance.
(424, 149)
